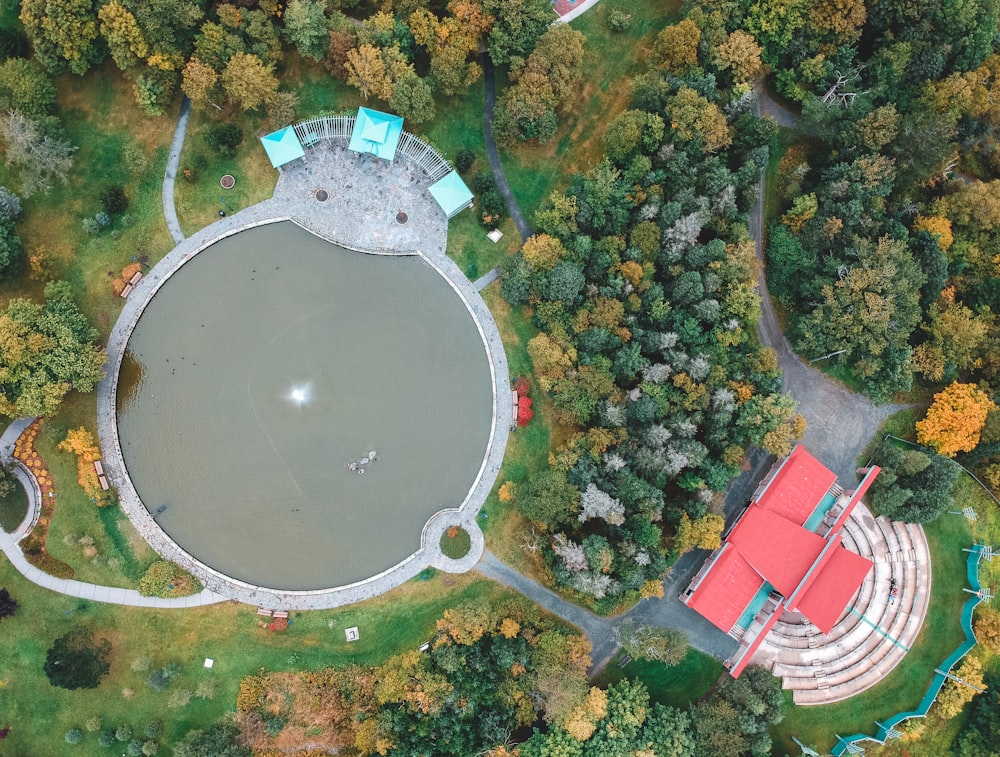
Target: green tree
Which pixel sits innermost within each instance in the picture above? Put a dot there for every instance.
(549, 498)
(519, 24)
(676, 47)
(63, 32)
(8, 605)
(78, 660)
(25, 86)
(412, 97)
(632, 131)
(869, 313)
(11, 251)
(306, 27)
(46, 351)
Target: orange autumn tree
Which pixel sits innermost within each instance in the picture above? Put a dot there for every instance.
(81, 443)
(955, 419)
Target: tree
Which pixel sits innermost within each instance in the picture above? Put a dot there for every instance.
(37, 158)
(630, 132)
(25, 86)
(46, 351)
(987, 627)
(541, 252)
(676, 48)
(219, 740)
(11, 251)
(954, 695)
(122, 33)
(8, 605)
(549, 498)
(739, 54)
(412, 97)
(692, 116)
(666, 645)
(703, 533)
(200, 83)
(366, 71)
(248, 81)
(955, 419)
(306, 27)
(519, 24)
(77, 660)
(870, 312)
(63, 32)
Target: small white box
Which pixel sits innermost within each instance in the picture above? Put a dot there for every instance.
(209, 662)
(352, 633)
(495, 235)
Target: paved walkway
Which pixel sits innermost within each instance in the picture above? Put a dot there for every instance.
(489, 80)
(486, 279)
(173, 161)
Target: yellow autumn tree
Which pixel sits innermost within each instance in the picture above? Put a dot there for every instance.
(582, 721)
(939, 226)
(81, 443)
(954, 695)
(703, 533)
(542, 252)
(987, 626)
(955, 419)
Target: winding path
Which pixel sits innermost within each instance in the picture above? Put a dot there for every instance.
(489, 81)
(170, 174)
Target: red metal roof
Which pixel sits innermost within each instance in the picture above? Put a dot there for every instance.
(779, 550)
(832, 589)
(727, 590)
(798, 486)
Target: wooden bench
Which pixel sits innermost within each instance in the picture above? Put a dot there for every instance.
(280, 614)
(98, 467)
(514, 396)
(126, 291)
(136, 278)
(103, 482)
(263, 611)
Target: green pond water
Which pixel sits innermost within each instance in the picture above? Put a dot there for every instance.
(269, 363)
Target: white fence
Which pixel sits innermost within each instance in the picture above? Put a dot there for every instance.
(410, 147)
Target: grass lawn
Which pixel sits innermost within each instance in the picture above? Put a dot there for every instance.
(197, 194)
(676, 686)
(457, 546)
(117, 555)
(13, 508)
(610, 60)
(904, 688)
(40, 714)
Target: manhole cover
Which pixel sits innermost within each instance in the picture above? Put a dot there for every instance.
(401, 217)
(321, 195)
(228, 181)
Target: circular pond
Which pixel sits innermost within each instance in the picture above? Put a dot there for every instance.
(259, 380)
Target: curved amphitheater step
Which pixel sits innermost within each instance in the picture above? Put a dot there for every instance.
(875, 631)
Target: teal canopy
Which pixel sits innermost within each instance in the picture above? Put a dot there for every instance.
(282, 146)
(376, 132)
(451, 194)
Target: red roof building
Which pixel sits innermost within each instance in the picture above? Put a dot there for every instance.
(784, 554)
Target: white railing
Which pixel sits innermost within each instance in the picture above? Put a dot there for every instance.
(410, 147)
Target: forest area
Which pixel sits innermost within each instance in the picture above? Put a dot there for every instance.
(640, 285)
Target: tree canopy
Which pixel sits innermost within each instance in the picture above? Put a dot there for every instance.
(78, 660)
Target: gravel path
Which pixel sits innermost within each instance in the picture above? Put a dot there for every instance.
(491, 151)
(173, 161)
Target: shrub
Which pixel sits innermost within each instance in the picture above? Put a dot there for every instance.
(13, 44)
(103, 219)
(124, 733)
(151, 747)
(464, 160)
(167, 579)
(10, 204)
(91, 226)
(77, 660)
(134, 748)
(160, 679)
(619, 21)
(153, 729)
(491, 208)
(74, 736)
(483, 182)
(106, 738)
(94, 723)
(114, 200)
(8, 605)
(224, 138)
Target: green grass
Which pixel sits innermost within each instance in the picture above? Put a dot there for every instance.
(39, 714)
(13, 508)
(903, 688)
(121, 555)
(197, 194)
(675, 686)
(319, 93)
(456, 547)
(899, 424)
(610, 60)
